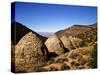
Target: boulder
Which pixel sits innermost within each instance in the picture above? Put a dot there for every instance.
(54, 44)
(76, 42)
(30, 53)
(71, 42)
(66, 42)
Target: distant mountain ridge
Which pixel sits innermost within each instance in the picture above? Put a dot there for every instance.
(46, 34)
(75, 30)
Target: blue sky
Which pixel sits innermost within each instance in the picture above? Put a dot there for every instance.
(51, 18)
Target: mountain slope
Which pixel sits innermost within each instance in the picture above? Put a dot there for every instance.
(86, 33)
(18, 30)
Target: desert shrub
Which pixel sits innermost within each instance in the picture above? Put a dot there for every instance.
(52, 69)
(65, 67)
(61, 60)
(93, 63)
(74, 54)
(81, 67)
(51, 61)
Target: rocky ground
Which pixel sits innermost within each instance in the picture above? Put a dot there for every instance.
(69, 49)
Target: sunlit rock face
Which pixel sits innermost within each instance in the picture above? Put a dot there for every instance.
(30, 53)
(71, 42)
(54, 44)
(63, 44)
(67, 43)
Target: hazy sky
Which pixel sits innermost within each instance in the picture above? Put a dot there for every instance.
(51, 17)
